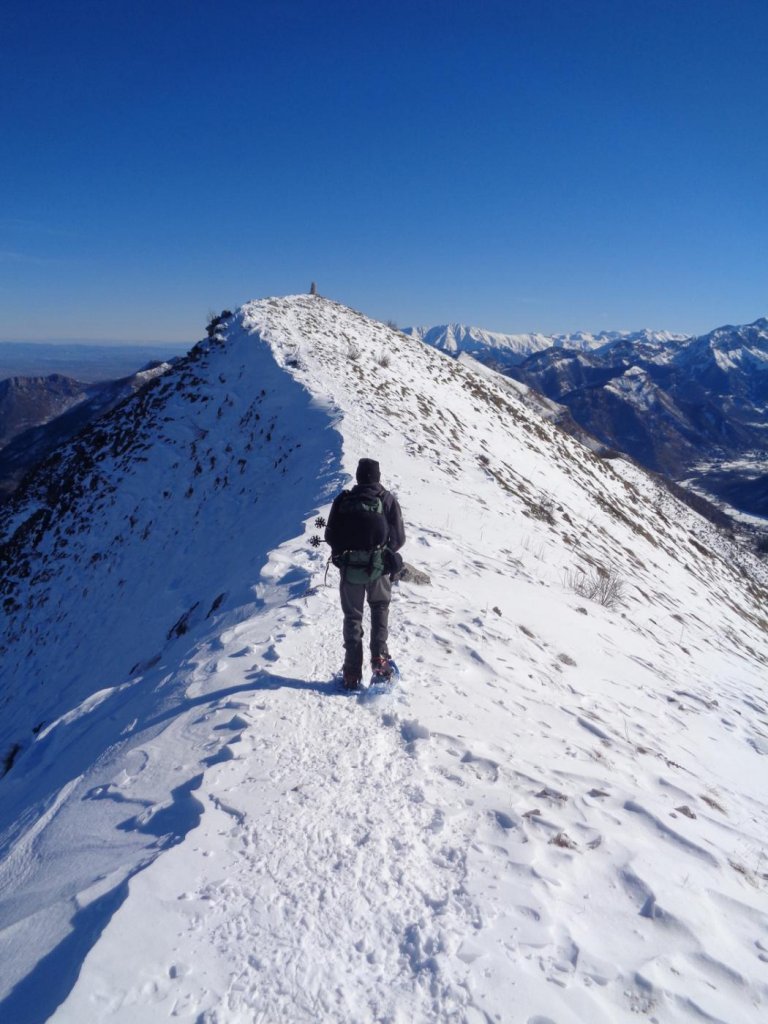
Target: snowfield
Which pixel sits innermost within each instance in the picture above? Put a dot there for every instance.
(561, 815)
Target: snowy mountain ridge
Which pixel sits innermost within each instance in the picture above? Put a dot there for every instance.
(559, 817)
(510, 349)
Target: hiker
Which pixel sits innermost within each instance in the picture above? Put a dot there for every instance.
(365, 529)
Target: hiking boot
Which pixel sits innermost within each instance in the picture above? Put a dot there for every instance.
(381, 666)
(351, 679)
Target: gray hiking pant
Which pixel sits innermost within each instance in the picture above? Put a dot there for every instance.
(353, 595)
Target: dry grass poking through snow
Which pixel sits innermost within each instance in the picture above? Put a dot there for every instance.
(604, 585)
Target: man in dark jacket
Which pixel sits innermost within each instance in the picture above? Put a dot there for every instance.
(364, 526)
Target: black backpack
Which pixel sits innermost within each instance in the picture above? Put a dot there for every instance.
(359, 537)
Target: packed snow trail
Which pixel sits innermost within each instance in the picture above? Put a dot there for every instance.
(352, 867)
(324, 853)
(560, 816)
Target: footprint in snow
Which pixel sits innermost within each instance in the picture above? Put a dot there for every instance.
(485, 769)
(243, 652)
(236, 722)
(530, 912)
(437, 824)
(135, 763)
(411, 730)
(504, 820)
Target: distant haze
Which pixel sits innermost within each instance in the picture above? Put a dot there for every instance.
(83, 361)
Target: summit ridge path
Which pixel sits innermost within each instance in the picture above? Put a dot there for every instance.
(560, 815)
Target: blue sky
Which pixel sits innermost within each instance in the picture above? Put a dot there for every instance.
(542, 165)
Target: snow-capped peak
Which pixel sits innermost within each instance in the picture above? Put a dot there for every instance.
(511, 349)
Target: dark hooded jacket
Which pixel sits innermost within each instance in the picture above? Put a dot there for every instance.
(390, 507)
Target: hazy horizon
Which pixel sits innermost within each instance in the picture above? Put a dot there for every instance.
(101, 342)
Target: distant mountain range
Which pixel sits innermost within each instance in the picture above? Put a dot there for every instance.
(692, 408)
(506, 350)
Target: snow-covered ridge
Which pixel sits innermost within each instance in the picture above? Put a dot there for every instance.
(563, 810)
(730, 348)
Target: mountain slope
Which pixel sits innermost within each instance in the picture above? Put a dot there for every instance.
(28, 401)
(686, 409)
(42, 413)
(562, 810)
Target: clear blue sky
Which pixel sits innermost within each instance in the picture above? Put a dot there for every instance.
(520, 165)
